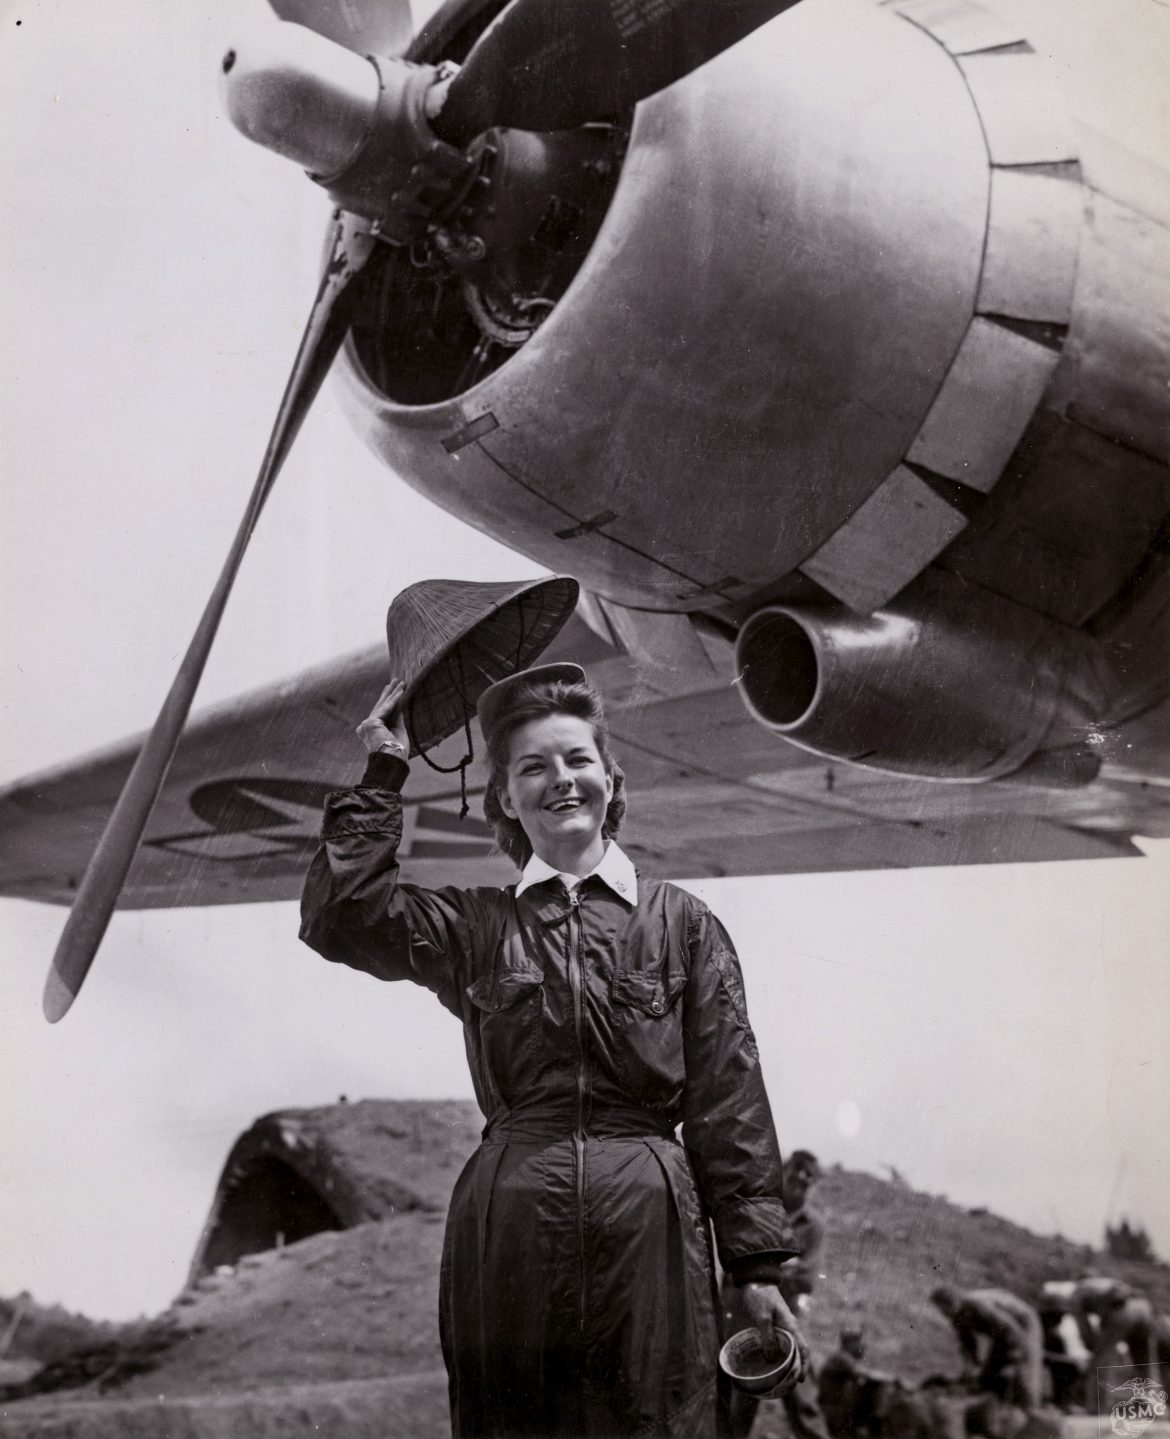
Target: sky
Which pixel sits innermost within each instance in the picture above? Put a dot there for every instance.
(996, 1034)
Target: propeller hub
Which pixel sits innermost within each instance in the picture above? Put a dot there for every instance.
(357, 124)
(294, 92)
(403, 177)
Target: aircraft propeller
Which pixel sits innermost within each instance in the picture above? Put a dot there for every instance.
(383, 27)
(106, 872)
(552, 64)
(394, 159)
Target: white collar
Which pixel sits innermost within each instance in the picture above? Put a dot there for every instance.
(615, 868)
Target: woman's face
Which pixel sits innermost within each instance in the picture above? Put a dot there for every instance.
(557, 785)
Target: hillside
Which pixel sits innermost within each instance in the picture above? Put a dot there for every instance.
(356, 1306)
(887, 1246)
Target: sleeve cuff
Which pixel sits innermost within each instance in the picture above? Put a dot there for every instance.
(384, 771)
(747, 1227)
(758, 1269)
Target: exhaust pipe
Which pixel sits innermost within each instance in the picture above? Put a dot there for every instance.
(947, 682)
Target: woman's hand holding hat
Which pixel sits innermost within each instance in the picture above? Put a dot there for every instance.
(385, 725)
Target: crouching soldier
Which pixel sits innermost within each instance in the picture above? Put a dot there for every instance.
(1011, 1364)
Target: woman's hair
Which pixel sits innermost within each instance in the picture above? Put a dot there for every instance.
(537, 700)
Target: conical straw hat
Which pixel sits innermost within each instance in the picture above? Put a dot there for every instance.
(451, 639)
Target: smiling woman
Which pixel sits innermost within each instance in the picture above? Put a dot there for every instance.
(601, 1010)
(552, 775)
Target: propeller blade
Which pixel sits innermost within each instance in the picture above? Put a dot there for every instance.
(110, 863)
(377, 27)
(553, 64)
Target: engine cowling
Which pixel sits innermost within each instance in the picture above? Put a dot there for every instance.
(947, 682)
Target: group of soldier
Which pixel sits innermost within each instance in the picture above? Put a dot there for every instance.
(1056, 1350)
(1019, 1358)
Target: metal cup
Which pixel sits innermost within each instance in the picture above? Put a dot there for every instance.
(756, 1369)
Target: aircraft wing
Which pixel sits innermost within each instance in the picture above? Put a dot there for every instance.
(239, 813)
(710, 791)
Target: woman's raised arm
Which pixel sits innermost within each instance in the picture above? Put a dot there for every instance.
(354, 911)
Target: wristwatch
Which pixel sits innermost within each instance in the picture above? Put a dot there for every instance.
(391, 746)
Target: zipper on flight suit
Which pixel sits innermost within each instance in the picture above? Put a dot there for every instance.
(576, 984)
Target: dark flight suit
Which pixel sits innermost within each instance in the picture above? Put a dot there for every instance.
(577, 1292)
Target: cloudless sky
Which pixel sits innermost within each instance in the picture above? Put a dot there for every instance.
(998, 1034)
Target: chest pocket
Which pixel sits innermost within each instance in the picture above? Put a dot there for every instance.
(505, 1039)
(653, 994)
(494, 992)
(647, 1035)
(508, 1016)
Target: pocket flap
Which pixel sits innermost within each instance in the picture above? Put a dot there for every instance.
(652, 993)
(500, 991)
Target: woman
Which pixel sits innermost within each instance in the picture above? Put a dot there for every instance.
(601, 1009)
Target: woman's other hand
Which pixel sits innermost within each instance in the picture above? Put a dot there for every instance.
(768, 1311)
(385, 721)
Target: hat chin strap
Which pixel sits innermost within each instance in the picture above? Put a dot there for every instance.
(461, 767)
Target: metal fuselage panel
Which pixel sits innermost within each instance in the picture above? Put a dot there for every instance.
(786, 272)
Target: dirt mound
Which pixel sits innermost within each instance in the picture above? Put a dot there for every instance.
(298, 1337)
(360, 1304)
(300, 1171)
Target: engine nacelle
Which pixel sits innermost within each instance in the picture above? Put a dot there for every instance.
(947, 682)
